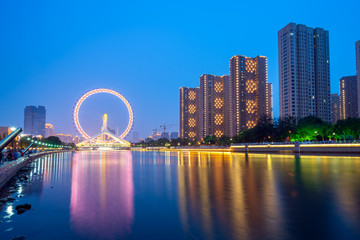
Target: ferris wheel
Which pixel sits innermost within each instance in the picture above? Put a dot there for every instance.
(95, 91)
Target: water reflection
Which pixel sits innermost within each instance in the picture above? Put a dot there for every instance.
(236, 196)
(102, 195)
(188, 195)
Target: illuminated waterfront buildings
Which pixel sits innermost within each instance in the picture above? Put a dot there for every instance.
(357, 52)
(335, 107)
(49, 130)
(304, 72)
(189, 99)
(34, 120)
(226, 105)
(213, 107)
(249, 93)
(348, 97)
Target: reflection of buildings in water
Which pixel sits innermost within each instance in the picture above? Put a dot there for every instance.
(347, 191)
(225, 195)
(102, 194)
(47, 171)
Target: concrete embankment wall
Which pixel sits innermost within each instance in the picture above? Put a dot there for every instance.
(10, 169)
(299, 148)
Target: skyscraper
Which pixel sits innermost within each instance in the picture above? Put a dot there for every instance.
(348, 97)
(304, 72)
(249, 93)
(357, 51)
(34, 120)
(213, 107)
(335, 107)
(190, 102)
(49, 130)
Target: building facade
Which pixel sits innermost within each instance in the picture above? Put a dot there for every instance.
(189, 109)
(34, 120)
(249, 94)
(213, 107)
(335, 107)
(304, 72)
(4, 132)
(49, 130)
(357, 53)
(174, 135)
(348, 97)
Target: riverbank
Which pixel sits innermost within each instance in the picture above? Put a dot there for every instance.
(303, 148)
(10, 169)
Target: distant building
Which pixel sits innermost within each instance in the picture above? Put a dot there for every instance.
(348, 97)
(249, 93)
(49, 130)
(212, 117)
(174, 135)
(335, 107)
(135, 136)
(4, 131)
(165, 135)
(357, 50)
(34, 120)
(155, 135)
(189, 126)
(304, 72)
(66, 138)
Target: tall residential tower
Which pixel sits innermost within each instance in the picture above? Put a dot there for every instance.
(304, 72)
(335, 107)
(213, 107)
(249, 92)
(190, 102)
(357, 51)
(348, 97)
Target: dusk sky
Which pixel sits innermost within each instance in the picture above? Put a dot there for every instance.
(52, 52)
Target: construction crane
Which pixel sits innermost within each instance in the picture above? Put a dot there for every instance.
(167, 126)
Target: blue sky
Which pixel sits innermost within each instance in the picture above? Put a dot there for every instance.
(51, 52)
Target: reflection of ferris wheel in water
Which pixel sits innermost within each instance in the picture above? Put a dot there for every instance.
(101, 90)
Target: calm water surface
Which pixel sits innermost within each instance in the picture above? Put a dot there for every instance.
(183, 195)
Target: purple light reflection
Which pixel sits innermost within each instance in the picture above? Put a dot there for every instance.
(102, 194)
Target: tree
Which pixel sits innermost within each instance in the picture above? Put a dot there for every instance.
(53, 140)
(210, 140)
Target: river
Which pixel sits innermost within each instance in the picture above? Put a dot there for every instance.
(186, 195)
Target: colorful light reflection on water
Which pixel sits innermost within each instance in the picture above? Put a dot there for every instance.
(187, 195)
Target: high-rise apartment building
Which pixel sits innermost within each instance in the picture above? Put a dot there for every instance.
(249, 94)
(34, 120)
(348, 97)
(269, 103)
(304, 72)
(213, 105)
(190, 102)
(49, 130)
(357, 52)
(335, 107)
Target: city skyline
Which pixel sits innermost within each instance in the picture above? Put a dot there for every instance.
(108, 56)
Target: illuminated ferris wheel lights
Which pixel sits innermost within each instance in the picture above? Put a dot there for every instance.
(101, 90)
